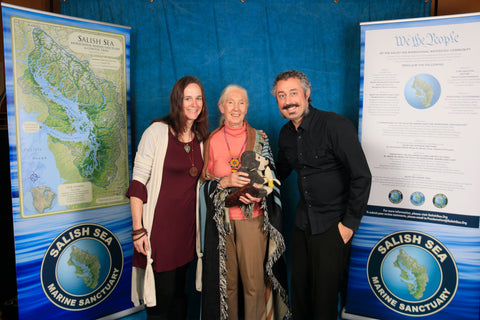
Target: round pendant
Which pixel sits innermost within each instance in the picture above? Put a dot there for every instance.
(193, 171)
(234, 163)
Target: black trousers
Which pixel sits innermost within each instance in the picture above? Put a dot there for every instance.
(318, 268)
(170, 295)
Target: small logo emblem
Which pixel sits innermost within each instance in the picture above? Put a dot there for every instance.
(395, 196)
(417, 198)
(440, 200)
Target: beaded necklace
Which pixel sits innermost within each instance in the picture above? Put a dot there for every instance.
(234, 161)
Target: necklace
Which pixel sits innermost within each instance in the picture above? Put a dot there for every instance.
(234, 161)
(193, 171)
(186, 144)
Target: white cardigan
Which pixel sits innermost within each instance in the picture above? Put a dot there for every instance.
(148, 169)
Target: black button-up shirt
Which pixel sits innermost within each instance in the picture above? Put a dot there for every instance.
(332, 171)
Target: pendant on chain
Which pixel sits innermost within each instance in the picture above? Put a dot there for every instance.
(234, 164)
(193, 171)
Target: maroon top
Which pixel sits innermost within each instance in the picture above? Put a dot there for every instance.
(173, 230)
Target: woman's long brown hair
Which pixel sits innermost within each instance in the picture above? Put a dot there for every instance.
(176, 118)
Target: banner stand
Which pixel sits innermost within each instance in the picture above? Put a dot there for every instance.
(417, 251)
(124, 313)
(68, 93)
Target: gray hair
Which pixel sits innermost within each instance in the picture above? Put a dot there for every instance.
(223, 96)
(229, 88)
(304, 82)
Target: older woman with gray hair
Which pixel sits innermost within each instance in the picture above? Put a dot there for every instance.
(242, 246)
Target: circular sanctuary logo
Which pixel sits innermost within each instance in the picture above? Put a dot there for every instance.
(395, 196)
(412, 273)
(81, 267)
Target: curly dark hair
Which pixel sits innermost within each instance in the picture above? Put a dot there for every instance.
(305, 83)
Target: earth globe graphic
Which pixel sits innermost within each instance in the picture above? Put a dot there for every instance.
(440, 200)
(74, 273)
(407, 287)
(422, 91)
(417, 198)
(395, 196)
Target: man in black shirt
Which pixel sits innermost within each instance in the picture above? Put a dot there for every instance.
(334, 184)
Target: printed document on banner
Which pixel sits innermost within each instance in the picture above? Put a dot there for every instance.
(421, 117)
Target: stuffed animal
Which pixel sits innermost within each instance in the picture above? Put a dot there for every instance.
(260, 175)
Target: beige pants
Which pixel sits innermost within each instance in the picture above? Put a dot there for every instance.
(246, 248)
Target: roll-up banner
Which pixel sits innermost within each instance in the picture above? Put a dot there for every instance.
(67, 85)
(417, 251)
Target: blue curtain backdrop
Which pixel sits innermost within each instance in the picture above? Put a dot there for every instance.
(248, 43)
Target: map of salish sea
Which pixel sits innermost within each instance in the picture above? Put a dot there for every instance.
(86, 265)
(413, 274)
(71, 117)
(424, 91)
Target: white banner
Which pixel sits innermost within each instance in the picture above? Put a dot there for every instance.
(417, 253)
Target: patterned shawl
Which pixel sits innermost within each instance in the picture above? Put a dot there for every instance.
(214, 229)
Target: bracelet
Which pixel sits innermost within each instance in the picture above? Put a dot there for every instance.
(139, 237)
(139, 231)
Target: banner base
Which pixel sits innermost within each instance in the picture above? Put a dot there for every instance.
(349, 316)
(123, 313)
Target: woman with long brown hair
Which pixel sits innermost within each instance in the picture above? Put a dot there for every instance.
(162, 195)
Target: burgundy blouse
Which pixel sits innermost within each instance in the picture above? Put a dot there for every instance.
(173, 232)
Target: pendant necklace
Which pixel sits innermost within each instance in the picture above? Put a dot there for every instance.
(234, 162)
(193, 171)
